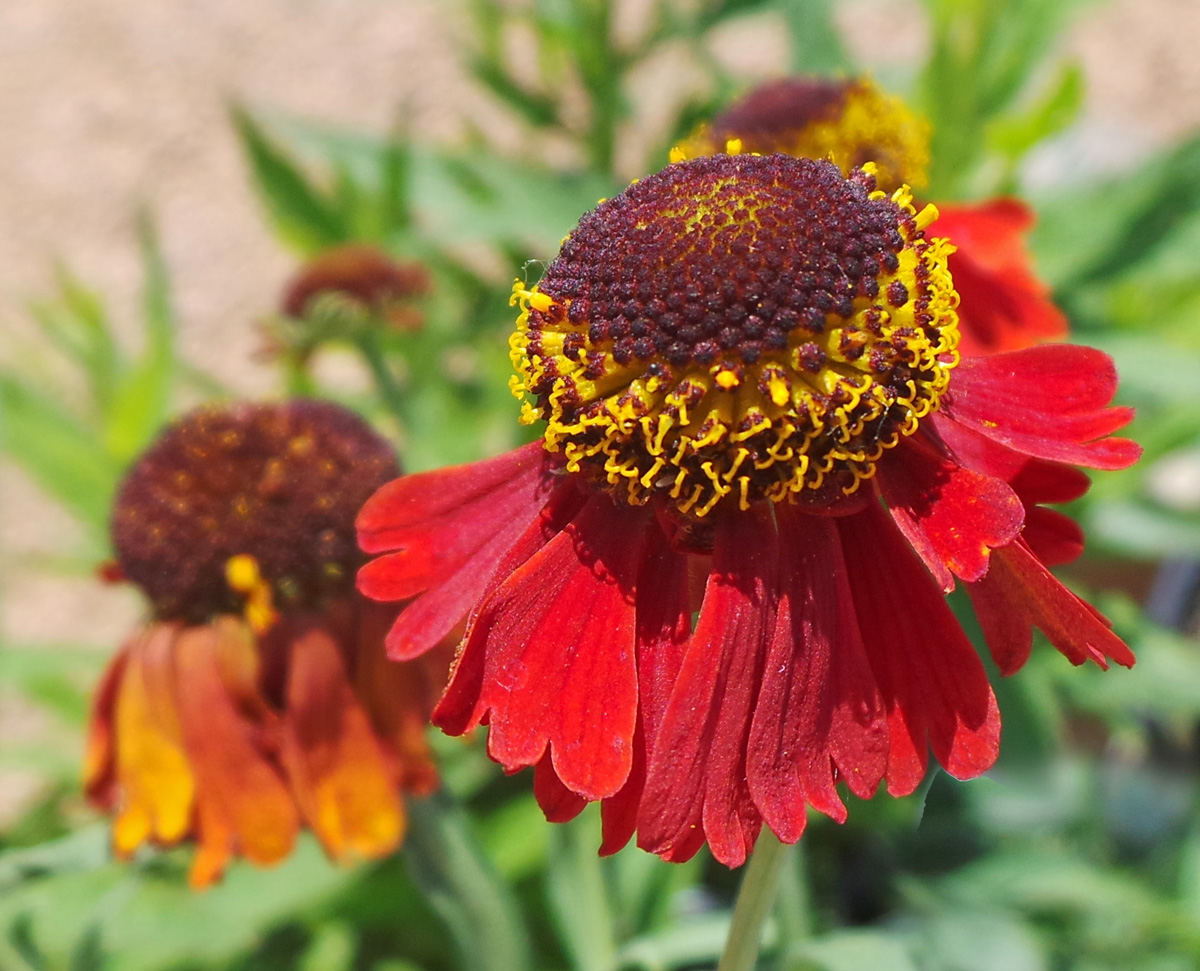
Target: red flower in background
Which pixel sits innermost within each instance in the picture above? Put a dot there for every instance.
(748, 371)
(1002, 304)
(258, 698)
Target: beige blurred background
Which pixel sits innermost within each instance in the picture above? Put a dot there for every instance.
(107, 105)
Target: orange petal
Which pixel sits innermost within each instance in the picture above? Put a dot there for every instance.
(243, 804)
(157, 784)
(99, 761)
(398, 697)
(339, 771)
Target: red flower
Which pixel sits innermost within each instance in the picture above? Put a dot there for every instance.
(748, 370)
(258, 698)
(1002, 304)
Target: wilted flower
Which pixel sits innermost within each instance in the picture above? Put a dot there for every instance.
(1002, 304)
(748, 370)
(364, 276)
(258, 697)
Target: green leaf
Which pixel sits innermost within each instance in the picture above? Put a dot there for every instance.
(61, 454)
(84, 849)
(459, 883)
(686, 944)
(817, 46)
(142, 396)
(576, 893)
(1013, 135)
(302, 216)
(77, 323)
(850, 951)
(1107, 229)
(88, 953)
(150, 919)
(20, 936)
(537, 109)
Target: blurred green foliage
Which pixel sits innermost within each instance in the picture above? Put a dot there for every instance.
(1081, 850)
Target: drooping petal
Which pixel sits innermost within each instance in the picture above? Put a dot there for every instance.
(1053, 537)
(99, 762)
(1048, 402)
(818, 715)
(437, 520)
(1018, 594)
(559, 803)
(1002, 306)
(158, 786)
(459, 710)
(398, 697)
(338, 771)
(951, 515)
(664, 622)
(932, 682)
(558, 641)
(242, 803)
(696, 780)
(435, 613)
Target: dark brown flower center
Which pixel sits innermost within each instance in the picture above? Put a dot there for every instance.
(272, 487)
(743, 326)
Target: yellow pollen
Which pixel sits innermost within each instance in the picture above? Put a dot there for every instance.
(864, 125)
(727, 380)
(243, 576)
(803, 421)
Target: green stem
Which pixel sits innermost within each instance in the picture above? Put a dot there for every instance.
(754, 902)
(460, 884)
(385, 380)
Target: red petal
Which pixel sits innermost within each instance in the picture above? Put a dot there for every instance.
(932, 682)
(437, 520)
(1018, 594)
(559, 803)
(951, 515)
(664, 622)
(558, 641)
(1002, 304)
(436, 612)
(99, 764)
(696, 781)
(1054, 538)
(818, 713)
(1047, 402)
(1041, 481)
(459, 710)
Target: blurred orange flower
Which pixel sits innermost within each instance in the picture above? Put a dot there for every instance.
(257, 699)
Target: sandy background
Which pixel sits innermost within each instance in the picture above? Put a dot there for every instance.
(106, 105)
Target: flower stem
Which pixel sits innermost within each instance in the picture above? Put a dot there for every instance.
(385, 380)
(754, 901)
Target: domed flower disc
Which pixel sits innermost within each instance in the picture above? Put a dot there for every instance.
(736, 329)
